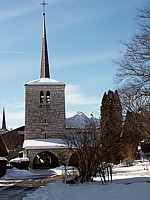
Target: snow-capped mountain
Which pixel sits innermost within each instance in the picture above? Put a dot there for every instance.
(81, 120)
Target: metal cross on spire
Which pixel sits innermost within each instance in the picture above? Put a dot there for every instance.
(43, 4)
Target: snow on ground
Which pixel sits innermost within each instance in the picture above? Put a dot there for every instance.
(129, 183)
(16, 174)
(60, 191)
(61, 170)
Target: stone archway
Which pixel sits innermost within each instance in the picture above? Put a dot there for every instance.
(74, 160)
(45, 160)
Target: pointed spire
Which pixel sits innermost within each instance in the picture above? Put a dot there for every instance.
(4, 120)
(44, 58)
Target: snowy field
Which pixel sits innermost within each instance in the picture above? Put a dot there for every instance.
(129, 183)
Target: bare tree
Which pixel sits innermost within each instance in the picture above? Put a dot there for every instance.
(134, 65)
(85, 144)
(62, 157)
(131, 101)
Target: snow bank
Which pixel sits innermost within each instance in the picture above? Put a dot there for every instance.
(60, 170)
(17, 174)
(129, 183)
(60, 191)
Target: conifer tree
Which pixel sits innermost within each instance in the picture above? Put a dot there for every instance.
(111, 125)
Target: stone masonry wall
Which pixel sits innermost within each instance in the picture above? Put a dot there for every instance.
(44, 120)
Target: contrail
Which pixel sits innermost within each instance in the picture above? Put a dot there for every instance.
(11, 52)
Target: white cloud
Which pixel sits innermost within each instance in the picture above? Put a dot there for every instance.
(74, 96)
(16, 104)
(16, 116)
(14, 119)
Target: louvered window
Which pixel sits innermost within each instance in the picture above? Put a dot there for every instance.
(41, 97)
(48, 97)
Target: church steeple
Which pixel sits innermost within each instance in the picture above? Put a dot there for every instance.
(44, 58)
(4, 121)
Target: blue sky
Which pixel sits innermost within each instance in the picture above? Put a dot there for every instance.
(83, 38)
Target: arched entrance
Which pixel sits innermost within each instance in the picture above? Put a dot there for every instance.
(45, 160)
(74, 160)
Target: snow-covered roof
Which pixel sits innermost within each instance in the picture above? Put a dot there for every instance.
(45, 81)
(50, 143)
(19, 160)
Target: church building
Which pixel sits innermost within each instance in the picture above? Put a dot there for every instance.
(45, 121)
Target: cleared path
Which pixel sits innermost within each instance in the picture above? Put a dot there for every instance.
(16, 190)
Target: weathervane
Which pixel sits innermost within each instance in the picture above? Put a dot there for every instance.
(44, 4)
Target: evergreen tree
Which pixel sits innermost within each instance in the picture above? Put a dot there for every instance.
(111, 125)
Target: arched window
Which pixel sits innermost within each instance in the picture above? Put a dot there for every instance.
(41, 97)
(48, 97)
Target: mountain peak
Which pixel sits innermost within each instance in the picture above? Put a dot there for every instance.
(81, 120)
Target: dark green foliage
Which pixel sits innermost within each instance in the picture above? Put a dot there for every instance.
(111, 125)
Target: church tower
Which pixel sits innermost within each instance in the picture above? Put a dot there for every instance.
(44, 100)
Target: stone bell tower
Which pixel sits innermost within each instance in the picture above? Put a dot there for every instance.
(44, 101)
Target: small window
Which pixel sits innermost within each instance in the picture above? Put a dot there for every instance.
(48, 97)
(41, 97)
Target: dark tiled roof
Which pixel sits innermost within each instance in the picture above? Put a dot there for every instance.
(3, 148)
(14, 139)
